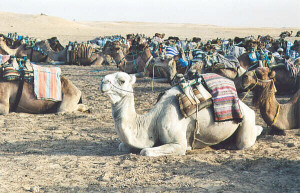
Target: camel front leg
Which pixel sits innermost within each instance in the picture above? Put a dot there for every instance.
(4, 101)
(248, 131)
(167, 149)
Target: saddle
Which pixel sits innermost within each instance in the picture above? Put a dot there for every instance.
(79, 54)
(194, 96)
(17, 69)
(204, 90)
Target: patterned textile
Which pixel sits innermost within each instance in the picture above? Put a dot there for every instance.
(47, 85)
(171, 51)
(292, 68)
(228, 62)
(236, 51)
(10, 73)
(4, 58)
(224, 95)
(198, 55)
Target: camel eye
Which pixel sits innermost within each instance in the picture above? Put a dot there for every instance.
(121, 81)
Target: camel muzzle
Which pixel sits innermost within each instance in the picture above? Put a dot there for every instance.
(105, 86)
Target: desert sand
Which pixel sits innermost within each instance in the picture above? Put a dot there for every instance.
(78, 152)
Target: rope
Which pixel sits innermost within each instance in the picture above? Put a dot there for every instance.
(276, 115)
(152, 84)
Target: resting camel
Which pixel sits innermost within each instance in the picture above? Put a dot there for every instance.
(278, 116)
(140, 60)
(284, 82)
(23, 51)
(28, 103)
(164, 130)
(10, 42)
(230, 73)
(85, 54)
(286, 34)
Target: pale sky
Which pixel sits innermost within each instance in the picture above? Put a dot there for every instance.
(240, 13)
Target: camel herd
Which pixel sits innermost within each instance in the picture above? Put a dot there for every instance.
(263, 65)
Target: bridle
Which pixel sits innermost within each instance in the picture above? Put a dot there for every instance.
(256, 82)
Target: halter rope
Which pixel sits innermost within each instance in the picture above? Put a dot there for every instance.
(257, 80)
(276, 115)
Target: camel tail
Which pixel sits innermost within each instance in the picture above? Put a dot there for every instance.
(80, 101)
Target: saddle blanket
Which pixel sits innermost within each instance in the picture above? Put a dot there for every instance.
(228, 62)
(291, 68)
(47, 84)
(225, 100)
(4, 58)
(171, 51)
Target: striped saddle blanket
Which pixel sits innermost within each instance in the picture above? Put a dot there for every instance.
(225, 100)
(171, 51)
(47, 83)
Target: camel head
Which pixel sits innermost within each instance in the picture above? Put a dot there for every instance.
(257, 78)
(55, 44)
(251, 45)
(117, 86)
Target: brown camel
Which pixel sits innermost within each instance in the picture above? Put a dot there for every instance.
(28, 103)
(278, 116)
(140, 60)
(55, 44)
(114, 52)
(85, 54)
(10, 42)
(23, 51)
(284, 82)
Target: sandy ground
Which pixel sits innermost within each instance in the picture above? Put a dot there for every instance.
(77, 152)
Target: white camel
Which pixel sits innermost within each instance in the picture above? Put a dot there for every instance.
(164, 124)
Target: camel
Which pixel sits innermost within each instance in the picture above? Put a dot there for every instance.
(113, 52)
(55, 44)
(10, 42)
(164, 130)
(71, 97)
(230, 73)
(276, 115)
(85, 54)
(284, 82)
(23, 51)
(140, 61)
(286, 34)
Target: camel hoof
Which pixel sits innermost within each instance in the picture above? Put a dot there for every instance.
(61, 113)
(146, 152)
(275, 131)
(83, 108)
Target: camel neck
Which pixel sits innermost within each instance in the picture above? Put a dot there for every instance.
(267, 102)
(133, 129)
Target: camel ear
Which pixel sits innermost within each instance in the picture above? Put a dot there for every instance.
(133, 79)
(272, 74)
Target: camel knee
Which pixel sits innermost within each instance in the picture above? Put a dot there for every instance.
(259, 130)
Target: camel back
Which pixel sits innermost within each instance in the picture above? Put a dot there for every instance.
(79, 54)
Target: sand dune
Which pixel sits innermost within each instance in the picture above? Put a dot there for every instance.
(43, 26)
